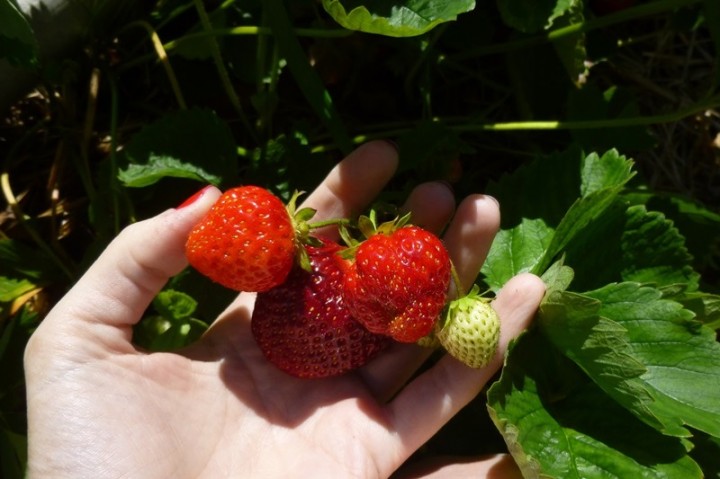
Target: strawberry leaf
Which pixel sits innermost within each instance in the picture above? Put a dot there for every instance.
(654, 251)
(193, 144)
(682, 357)
(630, 244)
(557, 277)
(516, 250)
(174, 305)
(598, 173)
(705, 306)
(580, 214)
(531, 16)
(599, 346)
(571, 48)
(402, 18)
(559, 424)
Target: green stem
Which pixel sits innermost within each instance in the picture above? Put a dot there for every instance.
(331, 222)
(459, 289)
(256, 30)
(678, 115)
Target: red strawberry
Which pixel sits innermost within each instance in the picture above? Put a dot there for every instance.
(303, 327)
(246, 242)
(398, 283)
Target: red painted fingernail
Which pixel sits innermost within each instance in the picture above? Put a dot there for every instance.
(194, 197)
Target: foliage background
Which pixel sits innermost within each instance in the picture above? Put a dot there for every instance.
(506, 96)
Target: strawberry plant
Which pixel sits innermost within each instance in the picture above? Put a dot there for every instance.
(596, 124)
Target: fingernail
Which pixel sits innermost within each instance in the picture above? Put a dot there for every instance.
(447, 185)
(393, 144)
(194, 197)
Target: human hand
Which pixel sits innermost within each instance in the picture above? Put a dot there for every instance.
(98, 407)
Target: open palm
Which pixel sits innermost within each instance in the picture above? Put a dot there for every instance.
(98, 407)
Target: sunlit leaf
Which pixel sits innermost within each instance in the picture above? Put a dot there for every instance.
(516, 250)
(681, 356)
(193, 144)
(559, 424)
(174, 305)
(531, 16)
(401, 18)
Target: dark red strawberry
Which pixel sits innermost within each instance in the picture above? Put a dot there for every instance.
(303, 327)
(246, 242)
(398, 282)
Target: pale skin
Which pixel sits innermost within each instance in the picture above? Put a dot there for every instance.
(100, 408)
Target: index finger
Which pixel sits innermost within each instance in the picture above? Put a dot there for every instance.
(354, 182)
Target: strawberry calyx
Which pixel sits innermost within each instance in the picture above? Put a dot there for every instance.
(368, 226)
(465, 302)
(303, 227)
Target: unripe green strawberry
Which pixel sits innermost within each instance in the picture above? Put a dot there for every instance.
(470, 330)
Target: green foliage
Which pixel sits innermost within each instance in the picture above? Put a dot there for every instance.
(638, 339)
(397, 19)
(17, 39)
(539, 103)
(193, 144)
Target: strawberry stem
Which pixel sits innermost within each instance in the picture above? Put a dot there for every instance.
(331, 222)
(459, 290)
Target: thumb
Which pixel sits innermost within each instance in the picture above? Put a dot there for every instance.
(113, 294)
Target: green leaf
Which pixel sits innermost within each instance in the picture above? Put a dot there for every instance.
(705, 306)
(159, 167)
(571, 48)
(602, 179)
(305, 75)
(24, 268)
(558, 424)
(516, 250)
(580, 214)
(178, 335)
(681, 357)
(654, 251)
(13, 288)
(193, 144)
(174, 305)
(401, 18)
(17, 39)
(699, 225)
(25, 261)
(610, 170)
(532, 16)
(557, 277)
(599, 346)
